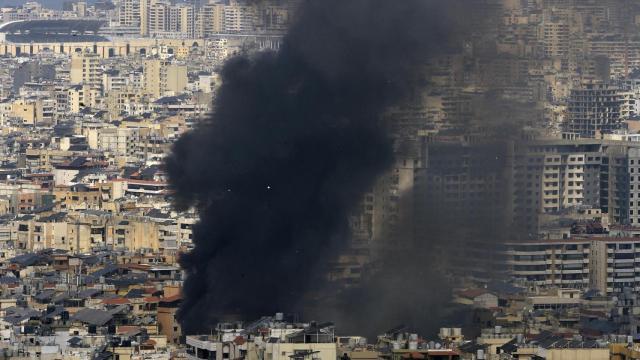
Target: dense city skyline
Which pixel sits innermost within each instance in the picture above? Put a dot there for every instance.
(294, 179)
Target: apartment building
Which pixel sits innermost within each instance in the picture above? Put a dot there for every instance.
(81, 96)
(239, 18)
(233, 18)
(210, 20)
(160, 18)
(623, 53)
(113, 80)
(633, 166)
(607, 264)
(555, 31)
(61, 101)
(182, 20)
(594, 109)
(164, 78)
(52, 232)
(551, 263)
(125, 101)
(34, 111)
(77, 197)
(548, 177)
(118, 143)
(129, 13)
(570, 180)
(86, 69)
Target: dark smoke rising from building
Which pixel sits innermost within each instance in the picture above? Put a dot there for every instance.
(294, 141)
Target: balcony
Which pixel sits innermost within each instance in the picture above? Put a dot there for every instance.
(622, 261)
(577, 271)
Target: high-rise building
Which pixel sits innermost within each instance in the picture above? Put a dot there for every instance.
(239, 18)
(183, 20)
(162, 78)
(551, 177)
(144, 17)
(555, 36)
(210, 20)
(85, 69)
(633, 163)
(158, 17)
(217, 18)
(163, 19)
(593, 109)
(129, 12)
(81, 9)
(606, 264)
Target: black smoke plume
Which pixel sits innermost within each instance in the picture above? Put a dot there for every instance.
(294, 141)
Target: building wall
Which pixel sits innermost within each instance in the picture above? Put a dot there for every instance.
(162, 78)
(598, 266)
(129, 13)
(143, 46)
(564, 354)
(553, 263)
(607, 264)
(594, 108)
(85, 69)
(168, 324)
(283, 351)
(64, 176)
(27, 111)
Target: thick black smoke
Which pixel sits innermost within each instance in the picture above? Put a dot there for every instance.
(295, 140)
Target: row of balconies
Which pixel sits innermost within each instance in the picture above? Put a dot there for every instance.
(549, 272)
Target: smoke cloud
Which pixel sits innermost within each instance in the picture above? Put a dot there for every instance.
(294, 141)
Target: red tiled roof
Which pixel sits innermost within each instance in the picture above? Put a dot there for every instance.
(116, 301)
(123, 329)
